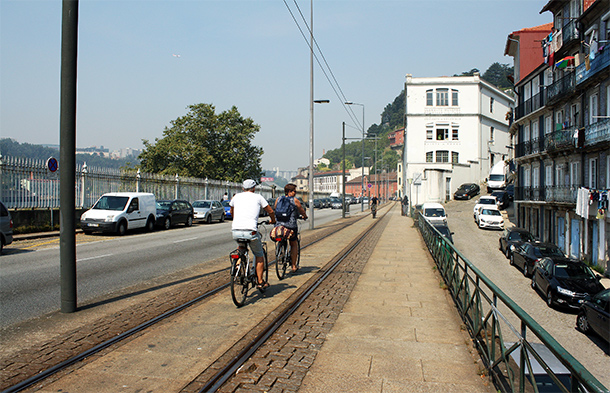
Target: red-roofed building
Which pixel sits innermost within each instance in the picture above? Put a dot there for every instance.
(525, 46)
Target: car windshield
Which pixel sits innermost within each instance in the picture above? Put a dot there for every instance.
(496, 177)
(572, 270)
(523, 236)
(543, 251)
(434, 212)
(202, 204)
(164, 205)
(224, 203)
(111, 203)
(491, 212)
(487, 202)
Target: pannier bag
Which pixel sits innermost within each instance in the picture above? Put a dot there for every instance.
(280, 233)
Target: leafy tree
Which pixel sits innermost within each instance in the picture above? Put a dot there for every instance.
(468, 73)
(497, 75)
(205, 144)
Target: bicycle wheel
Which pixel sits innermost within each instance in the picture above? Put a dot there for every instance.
(298, 252)
(281, 263)
(265, 266)
(239, 283)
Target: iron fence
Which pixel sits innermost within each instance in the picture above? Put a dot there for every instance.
(507, 338)
(27, 183)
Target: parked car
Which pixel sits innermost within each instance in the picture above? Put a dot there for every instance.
(594, 315)
(514, 236)
(335, 203)
(467, 191)
(510, 190)
(227, 207)
(503, 201)
(490, 217)
(444, 230)
(208, 210)
(304, 204)
(434, 213)
(565, 282)
(171, 213)
(484, 201)
(120, 211)
(6, 227)
(526, 255)
(317, 203)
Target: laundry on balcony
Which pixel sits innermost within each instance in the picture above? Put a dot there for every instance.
(566, 62)
(597, 199)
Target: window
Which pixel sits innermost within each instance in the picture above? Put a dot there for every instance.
(593, 109)
(442, 97)
(608, 172)
(593, 173)
(526, 133)
(442, 156)
(548, 175)
(607, 100)
(455, 133)
(535, 132)
(527, 180)
(536, 177)
(429, 131)
(575, 174)
(559, 120)
(442, 134)
(429, 156)
(491, 104)
(548, 124)
(454, 97)
(491, 133)
(429, 98)
(605, 30)
(559, 180)
(575, 113)
(455, 157)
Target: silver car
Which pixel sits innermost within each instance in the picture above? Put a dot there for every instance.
(6, 227)
(208, 210)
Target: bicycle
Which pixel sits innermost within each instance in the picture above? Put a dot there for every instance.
(282, 255)
(374, 210)
(243, 270)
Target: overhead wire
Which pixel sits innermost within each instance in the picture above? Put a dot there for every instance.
(341, 96)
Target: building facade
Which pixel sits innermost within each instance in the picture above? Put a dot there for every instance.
(456, 130)
(562, 130)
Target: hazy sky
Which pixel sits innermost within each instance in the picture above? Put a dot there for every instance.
(248, 54)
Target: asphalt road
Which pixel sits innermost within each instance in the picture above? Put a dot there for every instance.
(481, 248)
(106, 264)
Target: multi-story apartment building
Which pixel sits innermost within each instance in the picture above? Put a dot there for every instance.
(562, 129)
(456, 130)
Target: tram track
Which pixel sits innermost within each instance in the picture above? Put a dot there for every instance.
(133, 330)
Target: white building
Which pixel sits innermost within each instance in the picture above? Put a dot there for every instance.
(456, 131)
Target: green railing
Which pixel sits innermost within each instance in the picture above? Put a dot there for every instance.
(501, 329)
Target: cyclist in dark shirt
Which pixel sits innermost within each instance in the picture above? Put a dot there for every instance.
(374, 202)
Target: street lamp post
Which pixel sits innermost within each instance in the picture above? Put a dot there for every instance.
(311, 153)
(362, 181)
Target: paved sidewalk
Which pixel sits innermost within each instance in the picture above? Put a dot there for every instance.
(399, 331)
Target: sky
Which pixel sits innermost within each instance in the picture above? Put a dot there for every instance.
(141, 63)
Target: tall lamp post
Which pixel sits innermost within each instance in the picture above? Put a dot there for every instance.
(362, 181)
(311, 153)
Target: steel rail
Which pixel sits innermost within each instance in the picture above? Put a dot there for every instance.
(83, 355)
(226, 372)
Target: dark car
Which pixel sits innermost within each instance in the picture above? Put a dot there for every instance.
(594, 315)
(526, 255)
(227, 207)
(565, 282)
(444, 230)
(304, 204)
(6, 227)
(503, 199)
(510, 190)
(170, 213)
(514, 236)
(466, 191)
(317, 203)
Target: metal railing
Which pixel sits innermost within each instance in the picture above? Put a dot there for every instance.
(597, 132)
(560, 88)
(499, 327)
(566, 138)
(27, 183)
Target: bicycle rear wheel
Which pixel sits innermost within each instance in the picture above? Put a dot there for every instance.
(265, 267)
(298, 252)
(239, 283)
(281, 262)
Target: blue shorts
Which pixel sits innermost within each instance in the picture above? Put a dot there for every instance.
(253, 236)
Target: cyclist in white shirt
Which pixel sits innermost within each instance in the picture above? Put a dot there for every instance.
(245, 210)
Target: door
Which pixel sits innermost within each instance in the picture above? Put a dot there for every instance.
(561, 233)
(594, 242)
(575, 238)
(134, 215)
(447, 189)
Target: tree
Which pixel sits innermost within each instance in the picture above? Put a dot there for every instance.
(206, 145)
(497, 75)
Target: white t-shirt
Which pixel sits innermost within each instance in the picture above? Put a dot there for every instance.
(246, 209)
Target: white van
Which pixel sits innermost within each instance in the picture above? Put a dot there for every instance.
(119, 211)
(497, 177)
(434, 213)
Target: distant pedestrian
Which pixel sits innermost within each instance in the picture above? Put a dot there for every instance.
(405, 205)
(225, 197)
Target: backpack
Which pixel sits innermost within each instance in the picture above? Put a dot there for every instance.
(284, 209)
(281, 233)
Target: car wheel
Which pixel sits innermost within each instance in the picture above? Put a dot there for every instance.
(208, 219)
(87, 232)
(507, 253)
(122, 228)
(582, 323)
(189, 221)
(533, 283)
(1, 246)
(526, 270)
(150, 225)
(167, 223)
(222, 218)
(512, 259)
(550, 299)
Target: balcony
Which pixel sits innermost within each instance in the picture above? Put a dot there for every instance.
(558, 194)
(597, 132)
(529, 194)
(600, 63)
(569, 33)
(527, 147)
(566, 138)
(561, 88)
(529, 106)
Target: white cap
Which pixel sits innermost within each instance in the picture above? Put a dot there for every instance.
(248, 184)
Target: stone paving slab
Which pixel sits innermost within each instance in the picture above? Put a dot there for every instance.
(399, 331)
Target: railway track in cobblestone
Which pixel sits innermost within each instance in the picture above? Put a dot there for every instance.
(64, 364)
(272, 359)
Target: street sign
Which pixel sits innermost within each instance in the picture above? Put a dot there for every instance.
(369, 185)
(417, 179)
(52, 164)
